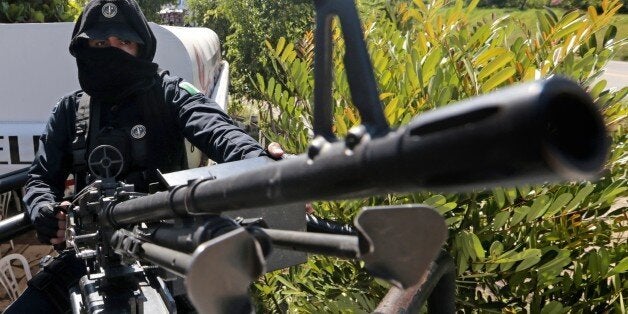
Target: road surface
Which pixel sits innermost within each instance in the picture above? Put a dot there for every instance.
(616, 74)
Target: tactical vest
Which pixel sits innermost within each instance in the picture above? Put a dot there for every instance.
(150, 144)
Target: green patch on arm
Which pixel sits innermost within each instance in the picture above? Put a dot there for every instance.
(189, 87)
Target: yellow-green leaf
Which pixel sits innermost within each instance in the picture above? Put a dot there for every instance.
(488, 54)
(500, 197)
(530, 261)
(500, 220)
(496, 64)
(280, 45)
(499, 78)
(477, 247)
(558, 204)
(620, 268)
(571, 28)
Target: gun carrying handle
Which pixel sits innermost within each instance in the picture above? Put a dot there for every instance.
(364, 92)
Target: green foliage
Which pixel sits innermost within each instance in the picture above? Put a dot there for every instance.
(244, 25)
(545, 248)
(523, 4)
(150, 8)
(16, 11)
(327, 279)
(40, 11)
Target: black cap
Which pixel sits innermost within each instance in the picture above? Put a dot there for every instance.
(121, 18)
(111, 22)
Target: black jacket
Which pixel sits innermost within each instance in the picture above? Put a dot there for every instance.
(198, 118)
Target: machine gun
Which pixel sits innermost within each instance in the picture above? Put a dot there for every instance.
(547, 130)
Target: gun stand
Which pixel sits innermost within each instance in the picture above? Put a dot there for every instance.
(122, 289)
(235, 259)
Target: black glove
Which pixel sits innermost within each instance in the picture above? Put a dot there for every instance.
(46, 223)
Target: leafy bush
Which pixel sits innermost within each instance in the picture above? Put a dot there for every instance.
(40, 11)
(244, 25)
(545, 248)
(150, 8)
(15, 11)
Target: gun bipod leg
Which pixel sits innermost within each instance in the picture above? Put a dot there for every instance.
(437, 287)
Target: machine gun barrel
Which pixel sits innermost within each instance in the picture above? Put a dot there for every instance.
(13, 180)
(14, 226)
(547, 130)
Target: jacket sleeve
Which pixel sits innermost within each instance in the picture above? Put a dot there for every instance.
(207, 127)
(52, 164)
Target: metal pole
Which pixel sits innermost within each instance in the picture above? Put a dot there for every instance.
(329, 244)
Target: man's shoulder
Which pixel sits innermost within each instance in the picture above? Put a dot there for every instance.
(174, 82)
(70, 101)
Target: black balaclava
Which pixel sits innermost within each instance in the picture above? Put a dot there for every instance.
(110, 74)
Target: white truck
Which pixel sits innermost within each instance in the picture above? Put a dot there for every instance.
(36, 69)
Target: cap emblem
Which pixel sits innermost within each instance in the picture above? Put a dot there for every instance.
(109, 10)
(138, 131)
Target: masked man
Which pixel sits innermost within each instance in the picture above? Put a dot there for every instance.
(128, 103)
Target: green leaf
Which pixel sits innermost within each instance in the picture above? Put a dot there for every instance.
(496, 249)
(39, 16)
(500, 220)
(520, 213)
(260, 82)
(543, 22)
(431, 63)
(539, 206)
(496, 64)
(570, 29)
(531, 259)
(511, 194)
(593, 266)
(271, 87)
(468, 245)
(446, 208)
(598, 88)
(480, 35)
(280, 45)
(593, 41)
(285, 282)
(612, 191)
(524, 190)
(488, 54)
(580, 196)
(620, 268)
(477, 247)
(436, 200)
(610, 34)
(453, 220)
(552, 15)
(472, 5)
(558, 204)
(500, 197)
(498, 78)
(552, 307)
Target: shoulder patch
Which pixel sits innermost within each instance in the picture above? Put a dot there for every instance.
(189, 87)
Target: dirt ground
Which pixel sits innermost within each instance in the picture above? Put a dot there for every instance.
(28, 246)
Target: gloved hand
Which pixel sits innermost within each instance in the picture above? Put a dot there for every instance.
(50, 223)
